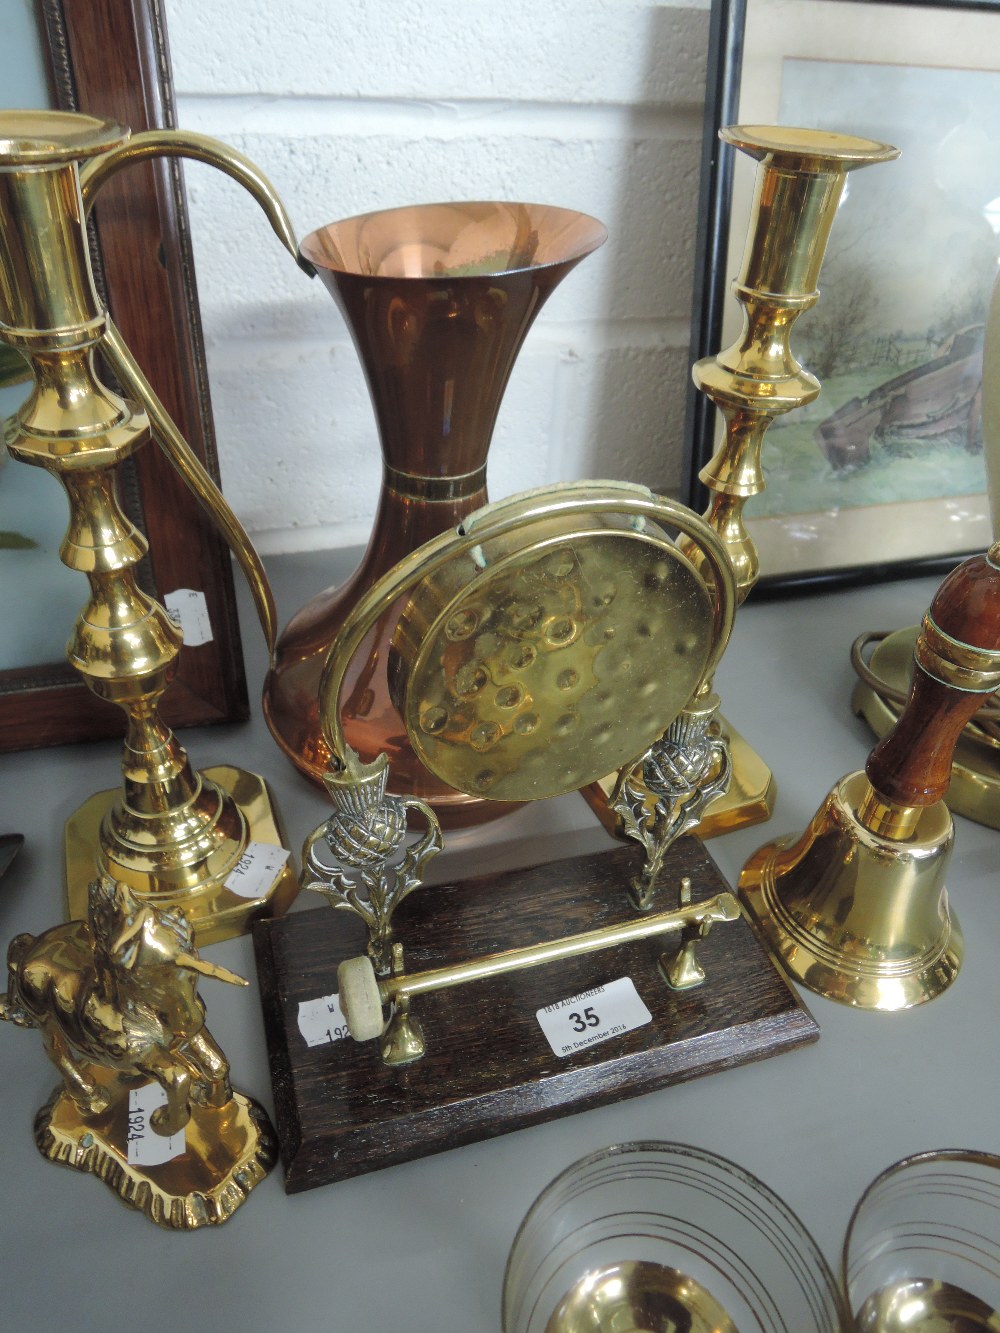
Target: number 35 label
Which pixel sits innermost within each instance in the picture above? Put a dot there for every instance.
(583, 1020)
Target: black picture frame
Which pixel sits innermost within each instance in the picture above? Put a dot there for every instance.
(714, 272)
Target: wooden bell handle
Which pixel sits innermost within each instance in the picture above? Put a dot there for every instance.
(956, 667)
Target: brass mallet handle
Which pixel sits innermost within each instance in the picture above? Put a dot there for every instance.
(363, 994)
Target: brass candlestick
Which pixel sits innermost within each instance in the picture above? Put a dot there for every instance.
(798, 189)
(169, 833)
(799, 185)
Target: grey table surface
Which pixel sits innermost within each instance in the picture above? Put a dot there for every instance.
(423, 1246)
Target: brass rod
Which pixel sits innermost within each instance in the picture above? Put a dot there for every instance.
(195, 477)
(392, 990)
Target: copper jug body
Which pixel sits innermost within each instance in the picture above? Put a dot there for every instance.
(438, 299)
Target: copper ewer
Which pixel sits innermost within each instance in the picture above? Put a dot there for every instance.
(438, 299)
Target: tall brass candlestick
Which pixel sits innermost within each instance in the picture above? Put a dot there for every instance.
(170, 833)
(799, 185)
(798, 189)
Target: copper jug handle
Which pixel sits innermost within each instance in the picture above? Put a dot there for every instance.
(180, 143)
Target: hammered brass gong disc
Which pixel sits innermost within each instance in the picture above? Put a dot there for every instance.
(556, 664)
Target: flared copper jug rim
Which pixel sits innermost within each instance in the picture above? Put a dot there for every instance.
(477, 238)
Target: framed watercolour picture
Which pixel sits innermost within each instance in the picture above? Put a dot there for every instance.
(884, 473)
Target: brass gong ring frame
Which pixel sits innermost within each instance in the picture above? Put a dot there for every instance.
(569, 500)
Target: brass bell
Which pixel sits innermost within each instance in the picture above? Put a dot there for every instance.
(856, 908)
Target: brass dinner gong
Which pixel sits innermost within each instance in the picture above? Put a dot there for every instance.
(548, 640)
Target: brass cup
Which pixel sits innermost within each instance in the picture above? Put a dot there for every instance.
(642, 1236)
(922, 1251)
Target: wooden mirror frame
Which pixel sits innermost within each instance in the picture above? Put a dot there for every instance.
(110, 58)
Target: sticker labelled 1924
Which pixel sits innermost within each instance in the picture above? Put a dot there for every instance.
(595, 1015)
(321, 1021)
(256, 870)
(145, 1146)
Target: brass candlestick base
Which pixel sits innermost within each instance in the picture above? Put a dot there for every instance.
(228, 1151)
(235, 813)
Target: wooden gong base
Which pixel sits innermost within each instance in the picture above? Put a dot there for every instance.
(489, 1067)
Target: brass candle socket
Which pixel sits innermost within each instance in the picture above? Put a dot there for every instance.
(170, 833)
(798, 187)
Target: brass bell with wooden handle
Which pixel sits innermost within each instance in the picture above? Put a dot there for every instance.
(856, 908)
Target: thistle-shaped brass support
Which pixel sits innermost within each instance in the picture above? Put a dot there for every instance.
(663, 794)
(371, 869)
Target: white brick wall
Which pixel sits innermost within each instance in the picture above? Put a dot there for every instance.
(351, 106)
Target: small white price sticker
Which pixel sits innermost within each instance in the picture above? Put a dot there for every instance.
(256, 870)
(145, 1146)
(321, 1021)
(189, 608)
(595, 1015)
